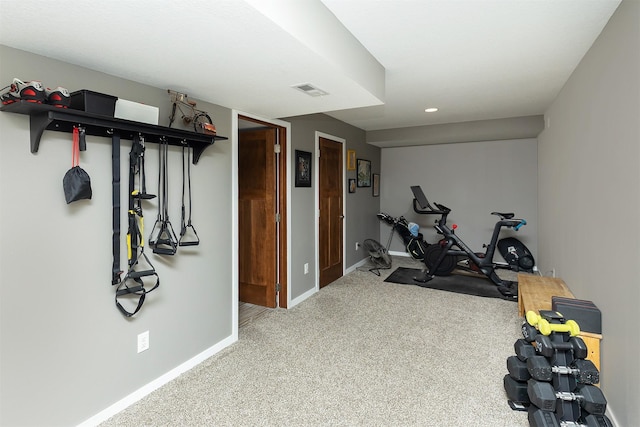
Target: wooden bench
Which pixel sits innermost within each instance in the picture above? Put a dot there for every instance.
(535, 292)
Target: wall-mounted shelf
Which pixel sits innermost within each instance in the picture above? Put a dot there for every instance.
(46, 117)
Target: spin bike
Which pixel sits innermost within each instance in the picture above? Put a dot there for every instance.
(442, 258)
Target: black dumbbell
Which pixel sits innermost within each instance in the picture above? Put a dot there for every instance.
(544, 397)
(594, 420)
(583, 370)
(518, 369)
(547, 347)
(516, 390)
(529, 332)
(540, 418)
(524, 349)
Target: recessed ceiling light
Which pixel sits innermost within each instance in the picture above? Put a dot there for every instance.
(430, 110)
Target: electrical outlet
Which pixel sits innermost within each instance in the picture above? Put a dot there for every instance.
(143, 341)
(553, 272)
(306, 268)
(357, 245)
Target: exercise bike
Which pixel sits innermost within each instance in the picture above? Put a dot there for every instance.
(442, 258)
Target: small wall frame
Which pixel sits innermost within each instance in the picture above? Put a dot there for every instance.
(351, 160)
(303, 169)
(364, 173)
(376, 185)
(352, 185)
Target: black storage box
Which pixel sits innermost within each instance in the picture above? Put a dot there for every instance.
(584, 312)
(93, 102)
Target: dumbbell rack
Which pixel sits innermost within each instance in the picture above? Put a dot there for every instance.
(550, 378)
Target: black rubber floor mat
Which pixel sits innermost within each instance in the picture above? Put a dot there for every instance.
(458, 283)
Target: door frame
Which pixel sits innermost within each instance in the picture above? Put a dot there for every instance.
(235, 277)
(316, 185)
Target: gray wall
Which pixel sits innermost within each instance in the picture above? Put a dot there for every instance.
(361, 206)
(67, 353)
(589, 198)
(473, 179)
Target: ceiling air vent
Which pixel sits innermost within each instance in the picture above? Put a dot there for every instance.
(310, 90)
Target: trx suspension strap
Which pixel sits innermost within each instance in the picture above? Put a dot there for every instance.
(141, 192)
(115, 191)
(163, 239)
(141, 277)
(186, 229)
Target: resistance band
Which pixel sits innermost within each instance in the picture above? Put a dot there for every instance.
(162, 238)
(187, 229)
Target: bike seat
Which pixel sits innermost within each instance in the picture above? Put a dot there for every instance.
(503, 215)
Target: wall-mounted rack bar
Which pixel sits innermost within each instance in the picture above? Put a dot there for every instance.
(46, 117)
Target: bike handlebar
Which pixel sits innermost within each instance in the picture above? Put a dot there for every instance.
(520, 224)
(442, 207)
(515, 223)
(417, 208)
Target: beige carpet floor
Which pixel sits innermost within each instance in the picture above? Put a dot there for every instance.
(361, 352)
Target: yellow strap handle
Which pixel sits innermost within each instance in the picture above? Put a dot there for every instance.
(129, 254)
(141, 232)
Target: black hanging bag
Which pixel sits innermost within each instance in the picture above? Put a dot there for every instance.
(76, 182)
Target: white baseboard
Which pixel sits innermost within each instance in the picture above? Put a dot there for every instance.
(395, 253)
(157, 383)
(356, 265)
(302, 297)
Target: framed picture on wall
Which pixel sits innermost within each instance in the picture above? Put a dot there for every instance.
(364, 173)
(303, 168)
(376, 185)
(352, 185)
(351, 160)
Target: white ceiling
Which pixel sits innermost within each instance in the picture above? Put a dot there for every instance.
(382, 62)
(474, 59)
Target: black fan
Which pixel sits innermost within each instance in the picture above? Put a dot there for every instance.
(378, 256)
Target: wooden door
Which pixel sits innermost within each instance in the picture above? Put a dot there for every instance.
(331, 217)
(258, 251)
